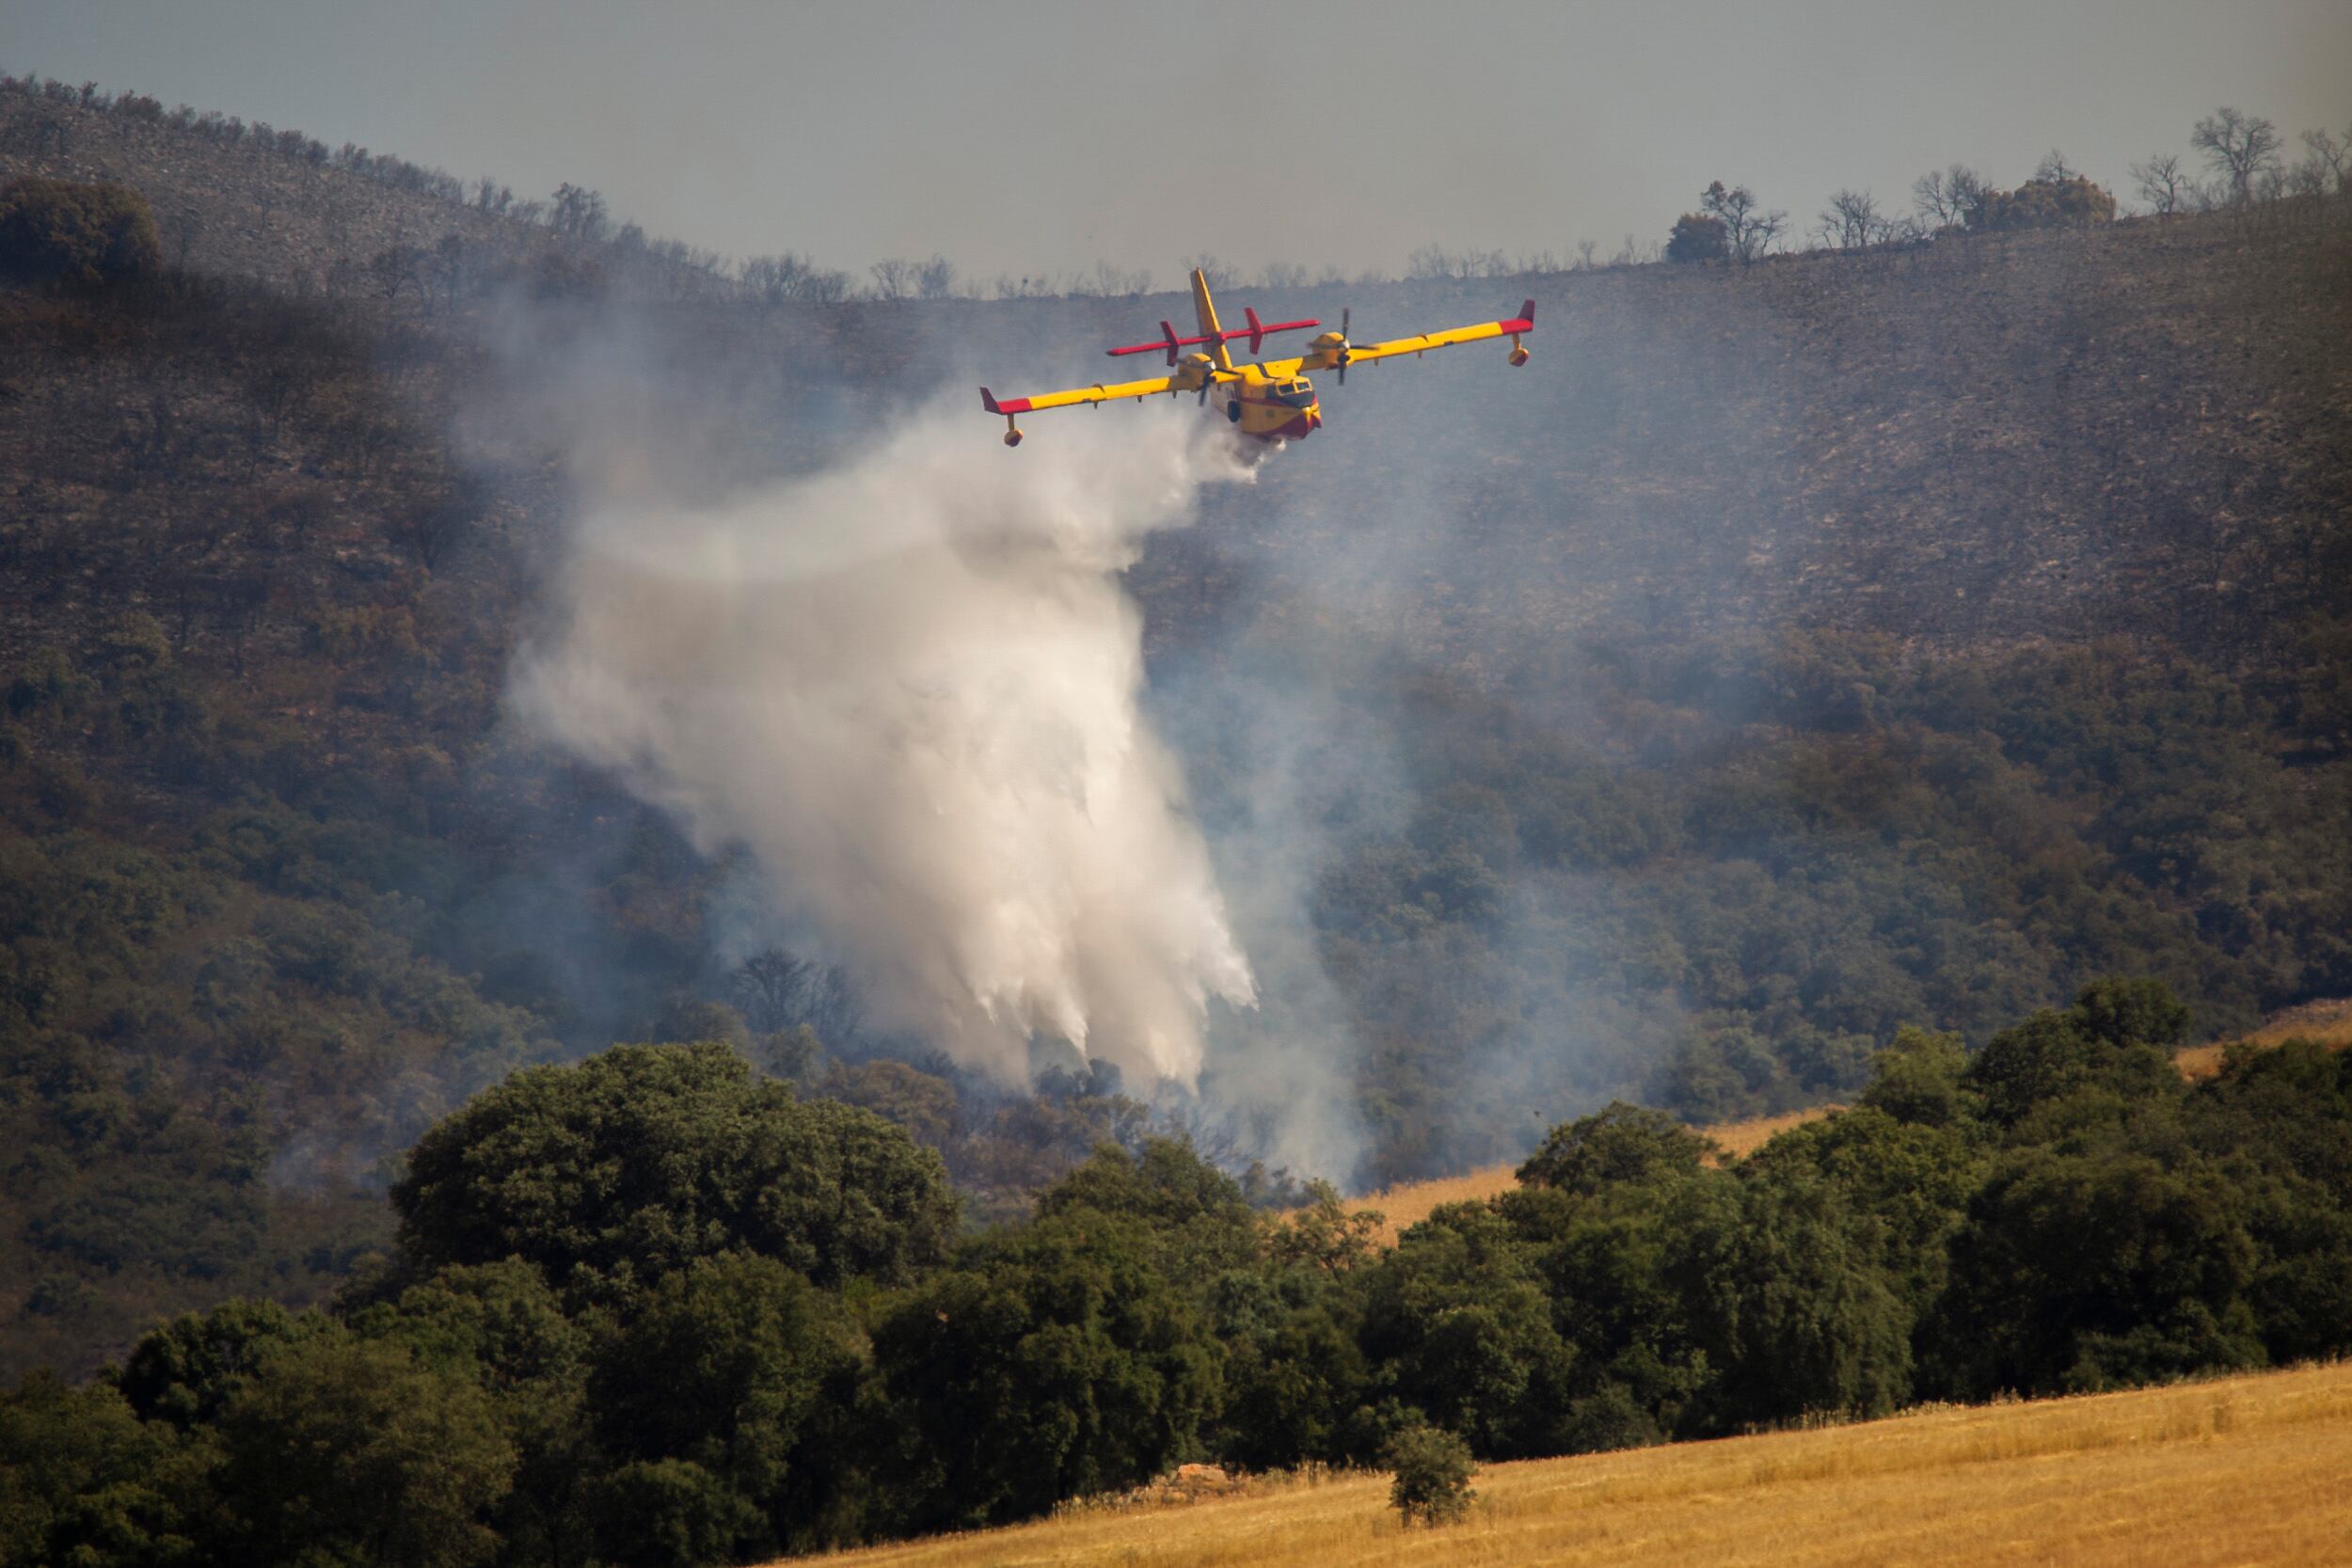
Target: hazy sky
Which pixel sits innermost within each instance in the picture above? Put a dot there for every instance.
(1024, 136)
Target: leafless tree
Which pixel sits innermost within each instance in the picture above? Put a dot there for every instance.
(448, 265)
(2053, 168)
(1585, 249)
(2332, 155)
(1852, 221)
(1025, 287)
(396, 267)
(2164, 184)
(181, 228)
(767, 986)
(1109, 282)
(1219, 272)
(1748, 228)
(1634, 253)
(1283, 275)
(935, 279)
(1432, 261)
(894, 279)
(579, 213)
(1948, 195)
(2240, 149)
(2308, 181)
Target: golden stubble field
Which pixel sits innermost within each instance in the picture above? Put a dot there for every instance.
(2245, 1470)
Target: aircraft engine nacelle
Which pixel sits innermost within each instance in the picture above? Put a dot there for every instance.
(1326, 347)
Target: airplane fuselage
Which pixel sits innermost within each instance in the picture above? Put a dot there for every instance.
(1271, 408)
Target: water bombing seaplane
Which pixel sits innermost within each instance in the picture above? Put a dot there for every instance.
(1272, 400)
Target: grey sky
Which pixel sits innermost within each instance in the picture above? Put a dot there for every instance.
(1026, 135)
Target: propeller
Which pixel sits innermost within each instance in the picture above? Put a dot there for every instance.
(1347, 350)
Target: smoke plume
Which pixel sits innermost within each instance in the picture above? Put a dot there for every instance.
(908, 689)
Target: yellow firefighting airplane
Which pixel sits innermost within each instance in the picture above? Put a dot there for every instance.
(1271, 400)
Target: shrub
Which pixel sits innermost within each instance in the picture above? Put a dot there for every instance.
(1433, 1470)
(2042, 204)
(84, 236)
(1697, 237)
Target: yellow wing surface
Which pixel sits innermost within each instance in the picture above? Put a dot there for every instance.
(1331, 350)
(1099, 392)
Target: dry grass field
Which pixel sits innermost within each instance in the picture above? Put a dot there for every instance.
(2248, 1470)
(2328, 1022)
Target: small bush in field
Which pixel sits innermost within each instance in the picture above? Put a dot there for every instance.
(1433, 1469)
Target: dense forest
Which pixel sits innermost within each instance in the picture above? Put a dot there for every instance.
(1801, 649)
(652, 1309)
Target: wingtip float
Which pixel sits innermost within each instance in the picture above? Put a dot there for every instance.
(1270, 400)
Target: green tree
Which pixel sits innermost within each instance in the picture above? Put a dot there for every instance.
(1057, 1360)
(1618, 1145)
(737, 1366)
(613, 1172)
(668, 1513)
(2078, 1271)
(1430, 1475)
(2109, 1041)
(501, 1325)
(344, 1450)
(84, 1481)
(1457, 1324)
(1785, 1295)
(184, 1371)
(1920, 1080)
(1195, 1214)
(1293, 1377)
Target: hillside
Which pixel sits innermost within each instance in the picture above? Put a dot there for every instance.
(2244, 1470)
(257, 203)
(1787, 655)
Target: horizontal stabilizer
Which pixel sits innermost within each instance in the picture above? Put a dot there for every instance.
(1256, 332)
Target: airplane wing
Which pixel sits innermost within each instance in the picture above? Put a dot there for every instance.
(1523, 321)
(1099, 392)
(1325, 354)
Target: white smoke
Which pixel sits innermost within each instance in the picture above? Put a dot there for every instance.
(909, 688)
